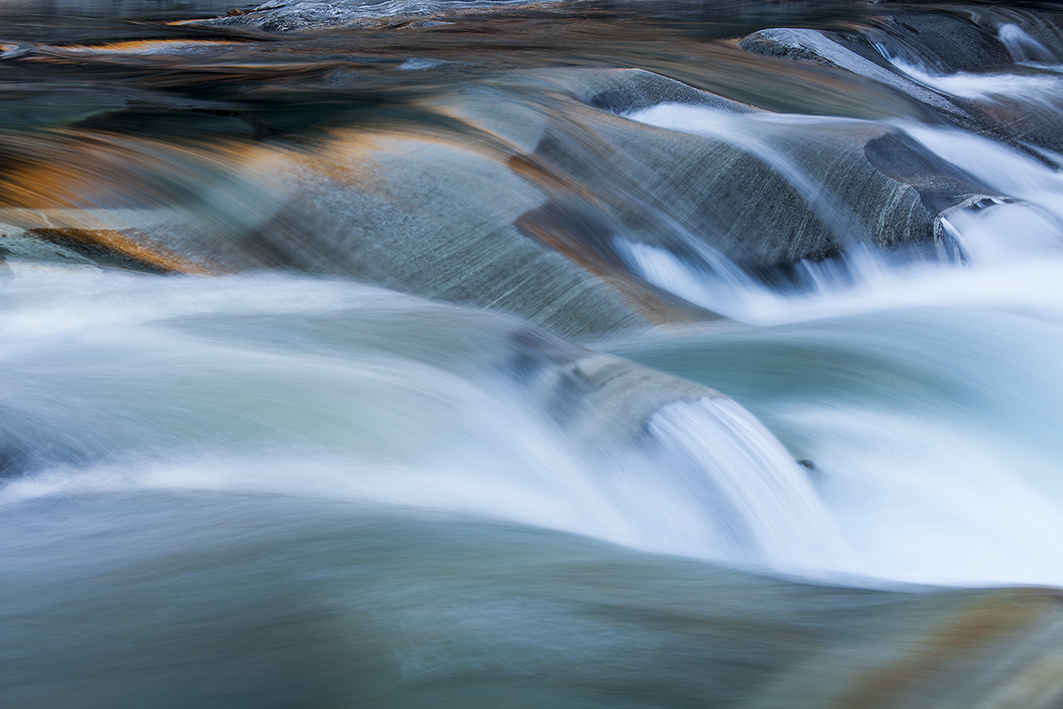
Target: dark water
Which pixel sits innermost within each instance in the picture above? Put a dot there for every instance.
(304, 315)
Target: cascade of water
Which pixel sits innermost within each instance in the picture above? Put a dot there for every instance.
(1023, 46)
(745, 131)
(1025, 221)
(751, 487)
(357, 380)
(272, 489)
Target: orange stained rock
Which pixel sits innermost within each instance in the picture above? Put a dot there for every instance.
(86, 170)
(128, 245)
(116, 191)
(996, 638)
(145, 46)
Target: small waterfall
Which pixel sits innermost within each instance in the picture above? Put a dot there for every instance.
(476, 354)
(752, 133)
(1018, 217)
(927, 409)
(750, 487)
(356, 380)
(1024, 47)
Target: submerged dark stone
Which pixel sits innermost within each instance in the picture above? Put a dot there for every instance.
(492, 163)
(633, 89)
(14, 460)
(940, 184)
(949, 42)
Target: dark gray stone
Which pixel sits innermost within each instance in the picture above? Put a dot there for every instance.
(949, 42)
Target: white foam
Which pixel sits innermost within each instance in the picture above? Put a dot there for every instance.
(298, 387)
(752, 133)
(1022, 46)
(927, 501)
(748, 478)
(1041, 87)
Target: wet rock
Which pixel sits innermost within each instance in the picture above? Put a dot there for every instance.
(14, 460)
(623, 91)
(302, 15)
(850, 51)
(943, 42)
(940, 184)
(947, 42)
(783, 195)
(86, 239)
(1031, 35)
(601, 400)
(18, 247)
(521, 194)
(577, 180)
(919, 54)
(522, 190)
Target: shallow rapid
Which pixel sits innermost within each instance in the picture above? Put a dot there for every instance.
(576, 354)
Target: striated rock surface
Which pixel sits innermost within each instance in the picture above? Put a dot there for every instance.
(533, 619)
(953, 62)
(519, 193)
(451, 168)
(303, 15)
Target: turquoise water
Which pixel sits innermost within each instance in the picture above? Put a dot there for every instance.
(932, 426)
(433, 362)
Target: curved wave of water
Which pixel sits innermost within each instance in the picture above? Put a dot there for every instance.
(319, 388)
(929, 407)
(273, 489)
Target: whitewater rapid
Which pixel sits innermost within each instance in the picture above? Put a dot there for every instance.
(929, 407)
(926, 407)
(574, 354)
(295, 386)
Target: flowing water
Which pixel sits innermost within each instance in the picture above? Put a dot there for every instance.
(531, 354)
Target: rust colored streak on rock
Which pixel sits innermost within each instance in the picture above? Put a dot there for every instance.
(568, 224)
(988, 627)
(155, 258)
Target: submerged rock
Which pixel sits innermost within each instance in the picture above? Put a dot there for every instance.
(13, 461)
(289, 600)
(519, 193)
(555, 192)
(949, 61)
(302, 15)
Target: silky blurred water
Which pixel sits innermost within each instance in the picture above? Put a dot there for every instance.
(929, 409)
(267, 442)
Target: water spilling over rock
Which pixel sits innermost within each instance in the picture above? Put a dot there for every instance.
(371, 353)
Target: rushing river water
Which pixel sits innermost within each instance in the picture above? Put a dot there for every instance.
(573, 354)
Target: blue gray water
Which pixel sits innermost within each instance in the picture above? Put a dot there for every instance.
(339, 371)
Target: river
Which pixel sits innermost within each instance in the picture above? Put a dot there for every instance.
(555, 354)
